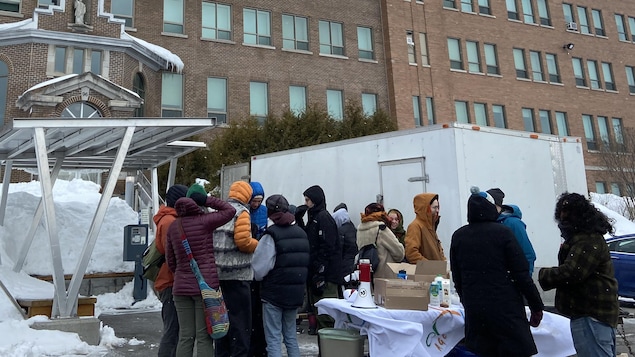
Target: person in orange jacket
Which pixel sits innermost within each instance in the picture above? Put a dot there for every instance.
(422, 242)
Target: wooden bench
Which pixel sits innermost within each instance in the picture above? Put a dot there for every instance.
(85, 306)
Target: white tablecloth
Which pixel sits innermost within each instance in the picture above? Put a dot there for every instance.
(435, 332)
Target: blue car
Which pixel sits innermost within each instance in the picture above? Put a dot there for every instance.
(623, 256)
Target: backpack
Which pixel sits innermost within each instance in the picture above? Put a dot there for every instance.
(152, 261)
(369, 251)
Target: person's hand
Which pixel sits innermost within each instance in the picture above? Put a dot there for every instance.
(535, 318)
(199, 198)
(318, 283)
(300, 211)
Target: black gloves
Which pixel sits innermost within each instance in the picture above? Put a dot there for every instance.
(318, 284)
(199, 198)
(300, 211)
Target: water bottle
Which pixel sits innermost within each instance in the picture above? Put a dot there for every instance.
(439, 282)
(435, 297)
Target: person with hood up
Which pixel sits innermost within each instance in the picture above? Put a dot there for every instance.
(234, 247)
(396, 225)
(258, 213)
(348, 235)
(422, 242)
(257, 210)
(197, 225)
(374, 230)
(325, 263)
(491, 277)
(165, 279)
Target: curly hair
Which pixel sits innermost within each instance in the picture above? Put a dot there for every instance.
(577, 214)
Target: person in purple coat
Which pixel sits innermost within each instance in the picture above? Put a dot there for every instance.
(197, 226)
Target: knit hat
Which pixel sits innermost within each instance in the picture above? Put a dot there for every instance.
(174, 193)
(498, 195)
(197, 193)
(477, 192)
(316, 194)
(341, 205)
(276, 203)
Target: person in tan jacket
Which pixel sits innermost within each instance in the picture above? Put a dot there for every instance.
(422, 242)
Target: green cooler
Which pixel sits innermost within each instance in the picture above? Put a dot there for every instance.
(336, 342)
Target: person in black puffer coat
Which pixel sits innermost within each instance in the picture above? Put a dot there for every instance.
(348, 234)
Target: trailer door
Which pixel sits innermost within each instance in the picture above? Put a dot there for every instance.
(401, 180)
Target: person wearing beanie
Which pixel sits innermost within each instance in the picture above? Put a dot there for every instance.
(422, 242)
(325, 265)
(281, 263)
(198, 194)
(165, 279)
(512, 217)
(348, 234)
(233, 249)
(491, 278)
(374, 230)
(258, 214)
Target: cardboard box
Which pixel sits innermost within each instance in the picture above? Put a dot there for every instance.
(425, 270)
(401, 294)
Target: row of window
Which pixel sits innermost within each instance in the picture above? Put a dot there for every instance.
(77, 60)
(172, 99)
(611, 133)
(602, 187)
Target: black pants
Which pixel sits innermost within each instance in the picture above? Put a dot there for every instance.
(170, 338)
(237, 296)
(258, 342)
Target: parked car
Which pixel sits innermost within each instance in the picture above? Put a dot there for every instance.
(623, 256)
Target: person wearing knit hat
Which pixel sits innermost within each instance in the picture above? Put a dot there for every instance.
(165, 278)
(422, 241)
(198, 194)
(484, 257)
(498, 195)
(281, 264)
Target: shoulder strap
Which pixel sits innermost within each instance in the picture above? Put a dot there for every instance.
(186, 244)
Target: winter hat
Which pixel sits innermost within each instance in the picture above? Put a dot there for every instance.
(498, 195)
(197, 193)
(276, 203)
(174, 193)
(477, 192)
(341, 205)
(316, 194)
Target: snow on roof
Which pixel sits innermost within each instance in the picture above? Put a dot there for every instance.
(50, 81)
(126, 89)
(24, 24)
(170, 57)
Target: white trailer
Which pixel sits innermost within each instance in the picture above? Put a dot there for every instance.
(532, 169)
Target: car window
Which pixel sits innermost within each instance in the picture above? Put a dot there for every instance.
(626, 246)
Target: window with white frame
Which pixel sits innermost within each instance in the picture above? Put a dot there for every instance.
(95, 61)
(365, 43)
(454, 51)
(173, 16)
(4, 88)
(594, 78)
(216, 21)
(529, 121)
(217, 99)
(295, 33)
(598, 23)
(500, 121)
(59, 65)
(416, 109)
(545, 121)
(47, 3)
(630, 79)
(297, 99)
(78, 60)
(257, 27)
(589, 132)
(123, 9)
(607, 72)
(171, 95)
(462, 113)
(519, 63)
(331, 38)
(491, 59)
(430, 111)
(10, 5)
(369, 103)
(578, 72)
(423, 49)
(621, 27)
(562, 124)
(335, 103)
(480, 114)
(552, 68)
(473, 57)
(259, 100)
(536, 66)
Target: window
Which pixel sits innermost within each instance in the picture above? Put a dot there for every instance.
(423, 48)
(499, 116)
(473, 61)
(512, 10)
(528, 119)
(536, 66)
(123, 9)
(483, 7)
(295, 33)
(257, 27)
(450, 4)
(430, 110)
(297, 99)
(519, 62)
(462, 114)
(172, 95)
(335, 103)
(95, 61)
(562, 124)
(258, 100)
(369, 103)
(139, 87)
(543, 13)
(578, 72)
(365, 43)
(331, 38)
(454, 49)
(466, 5)
(80, 110)
(584, 21)
(411, 47)
(631, 25)
(589, 132)
(615, 189)
(60, 59)
(607, 72)
(78, 61)
(217, 99)
(528, 12)
(552, 68)
(603, 128)
(216, 21)
(598, 24)
(10, 5)
(173, 16)
(567, 10)
(4, 89)
(491, 59)
(47, 3)
(416, 109)
(630, 78)
(594, 79)
(621, 29)
(600, 187)
(618, 132)
(480, 114)
(545, 121)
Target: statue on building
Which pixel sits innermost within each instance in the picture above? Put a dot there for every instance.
(80, 11)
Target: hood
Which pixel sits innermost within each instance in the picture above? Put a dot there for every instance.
(163, 211)
(316, 194)
(341, 216)
(186, 206)
(511, 211)
(479, 209)
(257, 189)
(240, 191)
(421, 203)
(398, 212)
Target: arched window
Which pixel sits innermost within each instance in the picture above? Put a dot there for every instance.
(81, 110)
(139, 87)
(4, 86)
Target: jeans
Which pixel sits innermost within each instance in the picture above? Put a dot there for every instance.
(170, 338)
(191, 315)
(280, 324)
(592, 338)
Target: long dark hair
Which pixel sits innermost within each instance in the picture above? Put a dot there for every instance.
(574, 213)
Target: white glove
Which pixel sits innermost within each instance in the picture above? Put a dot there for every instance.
(354, 276)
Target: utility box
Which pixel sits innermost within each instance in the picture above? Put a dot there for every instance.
(135, 241)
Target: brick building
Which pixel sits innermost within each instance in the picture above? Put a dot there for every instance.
(542, 66)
